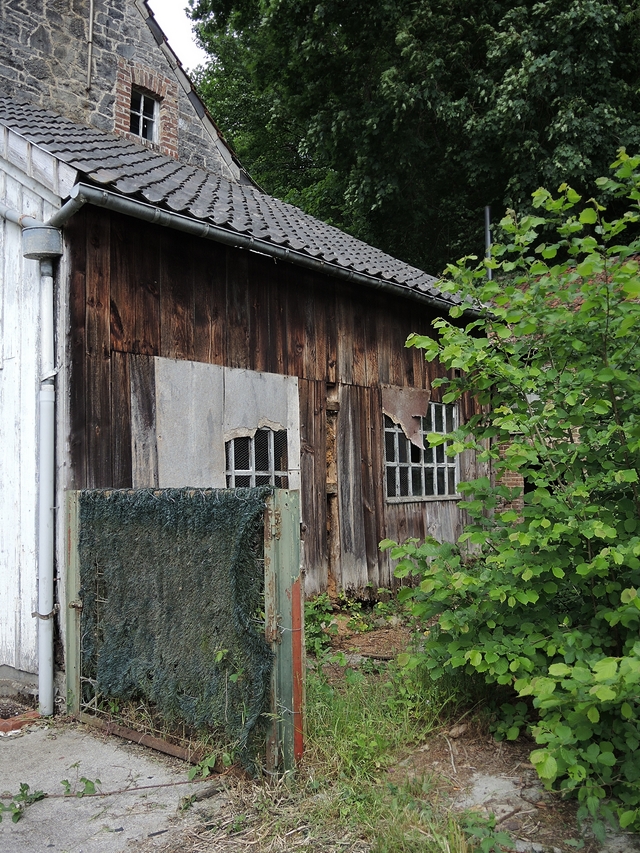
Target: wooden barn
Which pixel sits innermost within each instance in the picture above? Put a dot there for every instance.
(165, 323)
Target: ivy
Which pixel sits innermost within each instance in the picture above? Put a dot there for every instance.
(542, 592)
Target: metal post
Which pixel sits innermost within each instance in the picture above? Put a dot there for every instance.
(284, 628)
(74, 605)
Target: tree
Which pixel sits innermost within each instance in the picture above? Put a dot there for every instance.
(399, 120)
(547, 601)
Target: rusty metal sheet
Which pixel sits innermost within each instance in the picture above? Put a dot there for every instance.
(405, 406)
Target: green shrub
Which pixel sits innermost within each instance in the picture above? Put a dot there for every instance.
(544, 597)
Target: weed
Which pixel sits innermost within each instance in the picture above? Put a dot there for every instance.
(318, 625)
(20, 801)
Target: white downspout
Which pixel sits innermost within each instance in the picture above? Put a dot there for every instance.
(43, 243)
(46, 492)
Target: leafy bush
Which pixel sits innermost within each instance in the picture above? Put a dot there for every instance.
(542, 593)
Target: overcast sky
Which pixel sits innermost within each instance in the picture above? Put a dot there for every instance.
(173, 19)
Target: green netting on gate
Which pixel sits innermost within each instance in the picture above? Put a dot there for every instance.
(172, 585)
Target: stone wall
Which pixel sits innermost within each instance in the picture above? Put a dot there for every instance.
(44, 59)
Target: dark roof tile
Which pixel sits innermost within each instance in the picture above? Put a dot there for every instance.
(125, 167)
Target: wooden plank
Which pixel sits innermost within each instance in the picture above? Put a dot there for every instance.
(370, 524)
(209, 285)
(98, 345)
(372, 378)
(353, 556)
(259, 319)
(344, 339)
(146, 274)
(376, 423)
(359, 376)
(177, 311)
(76, 240)
(237, 311)
(315, 345)
(73, 611)
(313, 470)
(144, 451)
(122, 302)
(121, 421)
(278, 322)
(331, 333)
(296, 322)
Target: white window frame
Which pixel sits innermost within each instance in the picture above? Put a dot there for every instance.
(412, 468)
(251, 472)
(154, 120)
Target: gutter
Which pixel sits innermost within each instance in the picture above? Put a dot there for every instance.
(84, 193)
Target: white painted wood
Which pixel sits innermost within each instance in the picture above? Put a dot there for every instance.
(36, 168)
(19, 386)
(18, 444)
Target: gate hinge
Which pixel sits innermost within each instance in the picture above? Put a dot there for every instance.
(276, 524)
(75, 605)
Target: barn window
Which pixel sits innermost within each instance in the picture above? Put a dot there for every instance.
(144, 115)
(419, 473)
(258, 460)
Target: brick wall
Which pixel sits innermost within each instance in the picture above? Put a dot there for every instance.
(44, 59)
(163, 88)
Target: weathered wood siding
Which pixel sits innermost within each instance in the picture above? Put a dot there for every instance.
(139, 290)
(19, 386)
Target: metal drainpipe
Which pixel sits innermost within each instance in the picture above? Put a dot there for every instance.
(90, 45)
(44, 243)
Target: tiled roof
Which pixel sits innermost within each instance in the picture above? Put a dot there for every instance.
(133, 170)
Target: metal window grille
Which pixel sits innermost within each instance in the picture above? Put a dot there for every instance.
(412, 473)
(260, 460)
(144, 115)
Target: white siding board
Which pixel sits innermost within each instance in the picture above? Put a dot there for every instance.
(19, 386)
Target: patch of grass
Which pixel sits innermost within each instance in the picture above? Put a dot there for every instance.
(359, 723)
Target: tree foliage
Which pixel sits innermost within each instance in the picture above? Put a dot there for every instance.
(547, 599)
(400, 119)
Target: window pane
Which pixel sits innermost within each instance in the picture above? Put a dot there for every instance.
(440, 457)
(262, 479)
(280, 450)
(427, 421)
(282, 482)
(438, 425)
(389, 447)
(134, 124)
(404, 482)
(243, 482)
(428, 481)
(391, 482)
(136, 99)
(241, 451)
(149, 107)
(147, 129)
(402, 448)
(416, 453)
(262, 449)
(441, 490)
(416, 481)
(449, 413)
(452, 481)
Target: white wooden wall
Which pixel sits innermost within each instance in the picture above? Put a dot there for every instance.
(19, 387)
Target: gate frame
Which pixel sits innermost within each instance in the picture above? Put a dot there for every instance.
(284, 623)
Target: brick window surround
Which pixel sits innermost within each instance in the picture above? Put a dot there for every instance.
(131, 76)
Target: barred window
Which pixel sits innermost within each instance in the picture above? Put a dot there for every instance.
(415, 474)
(144, 115)
(260, 460)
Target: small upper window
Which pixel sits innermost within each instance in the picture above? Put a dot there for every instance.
(260, 460)
(144, 116)
(416, 474)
